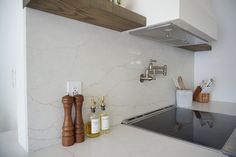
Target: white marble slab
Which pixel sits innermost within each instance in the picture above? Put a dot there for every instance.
(108, 63)
(125, 141)
(215, 107)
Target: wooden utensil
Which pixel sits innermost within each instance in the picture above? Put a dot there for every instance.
(181, 83)
(176, 84)
(196, 93)
(68, 127)
(79, 124)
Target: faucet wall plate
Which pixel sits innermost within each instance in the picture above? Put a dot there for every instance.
(158, 70)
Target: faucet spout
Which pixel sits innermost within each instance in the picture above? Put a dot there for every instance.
(146, 76)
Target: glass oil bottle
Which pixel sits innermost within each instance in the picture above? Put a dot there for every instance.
(104, 118)
(93, 126)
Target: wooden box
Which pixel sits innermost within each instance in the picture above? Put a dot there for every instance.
(203, 98)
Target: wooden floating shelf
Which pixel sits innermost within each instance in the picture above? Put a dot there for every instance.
(201, 47)
(98, 12)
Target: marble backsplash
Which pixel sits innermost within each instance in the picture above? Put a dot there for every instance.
(108, 63)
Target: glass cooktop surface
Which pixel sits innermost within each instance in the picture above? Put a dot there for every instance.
(207, 129)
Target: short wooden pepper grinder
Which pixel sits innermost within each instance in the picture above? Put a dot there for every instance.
(68, 127)
(79, 124)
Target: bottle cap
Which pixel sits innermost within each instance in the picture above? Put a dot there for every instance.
(93, 105)
(102, 101)
(103, 106)
(93, 110)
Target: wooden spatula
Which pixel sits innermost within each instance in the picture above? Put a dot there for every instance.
(181, 83)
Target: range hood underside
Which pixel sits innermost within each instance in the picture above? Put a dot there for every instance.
(173, 35)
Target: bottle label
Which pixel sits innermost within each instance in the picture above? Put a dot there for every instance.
(95, 126)
(105, 123)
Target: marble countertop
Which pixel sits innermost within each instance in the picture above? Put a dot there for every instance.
(215, 107)
(126, 141)
(122, 141)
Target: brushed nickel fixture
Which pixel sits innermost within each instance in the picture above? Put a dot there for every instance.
(152, 71)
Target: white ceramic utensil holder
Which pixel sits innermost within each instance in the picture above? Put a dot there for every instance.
(184, 98)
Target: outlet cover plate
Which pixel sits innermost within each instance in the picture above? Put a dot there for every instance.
(74, 87)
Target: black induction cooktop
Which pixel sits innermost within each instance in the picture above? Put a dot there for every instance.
(204, 128)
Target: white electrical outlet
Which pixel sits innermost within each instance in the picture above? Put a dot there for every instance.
(74, 87)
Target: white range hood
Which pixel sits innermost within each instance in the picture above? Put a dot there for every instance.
(187, 24)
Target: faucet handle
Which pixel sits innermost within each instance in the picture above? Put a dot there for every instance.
(153, 61)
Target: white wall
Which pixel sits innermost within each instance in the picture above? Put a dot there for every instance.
(21, 78)
(8, 114)
(107, 62)
(13, 106)
(220, 63)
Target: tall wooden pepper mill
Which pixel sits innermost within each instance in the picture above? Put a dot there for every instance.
(68, 127)
(79, 124)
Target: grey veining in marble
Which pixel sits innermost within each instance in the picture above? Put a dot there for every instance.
(123, 141)
(107, 62)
